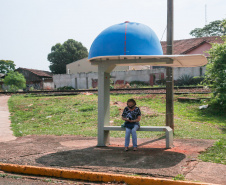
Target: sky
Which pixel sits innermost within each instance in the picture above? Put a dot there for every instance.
(29, 28)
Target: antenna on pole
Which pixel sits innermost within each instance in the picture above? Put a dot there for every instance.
(205, 14)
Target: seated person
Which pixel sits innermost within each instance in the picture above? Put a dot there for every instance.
(131, 115)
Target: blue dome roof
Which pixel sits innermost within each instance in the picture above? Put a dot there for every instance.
(127, 38)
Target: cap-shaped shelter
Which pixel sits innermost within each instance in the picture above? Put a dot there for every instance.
(127, 44)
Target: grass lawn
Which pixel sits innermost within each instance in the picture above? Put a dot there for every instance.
(77, 115)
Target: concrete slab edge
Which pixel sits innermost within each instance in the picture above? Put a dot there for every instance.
(90, 176)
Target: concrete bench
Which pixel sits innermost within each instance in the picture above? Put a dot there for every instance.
(166, 129)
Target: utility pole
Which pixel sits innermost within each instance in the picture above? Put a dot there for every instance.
(169, 70)
(205, 14)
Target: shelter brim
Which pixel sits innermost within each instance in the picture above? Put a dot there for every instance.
(195, 60)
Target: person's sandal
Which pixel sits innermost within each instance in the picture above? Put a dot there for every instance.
(135, 149)
(126, 149)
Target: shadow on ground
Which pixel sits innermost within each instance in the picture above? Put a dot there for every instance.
(145, 158)
(81, 153)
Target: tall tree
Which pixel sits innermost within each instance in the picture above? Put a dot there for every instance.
(63, 54)
(216, 74)
(215, 28)
(6, 66)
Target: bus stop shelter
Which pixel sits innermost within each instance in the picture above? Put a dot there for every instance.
(128, 44)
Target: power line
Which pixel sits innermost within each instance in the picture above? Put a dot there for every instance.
(163, 33)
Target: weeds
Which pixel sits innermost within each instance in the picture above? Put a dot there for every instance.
(179, 177)
(3, 175)
(10, 176)
(216, 153)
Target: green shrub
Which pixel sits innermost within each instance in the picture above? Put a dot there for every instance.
(13, 88)
(161, 82)
(138, 84)
(15, 81)
(184, 80)
(31, 88)
(197, 80)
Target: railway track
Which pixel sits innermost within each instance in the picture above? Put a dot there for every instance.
(159, 90)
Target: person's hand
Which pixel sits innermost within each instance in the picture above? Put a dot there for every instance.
(126, 119)
(131, 121)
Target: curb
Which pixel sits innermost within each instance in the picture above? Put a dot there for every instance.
(90, 176)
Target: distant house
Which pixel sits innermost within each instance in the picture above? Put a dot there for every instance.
(38, 79)
(193, 45)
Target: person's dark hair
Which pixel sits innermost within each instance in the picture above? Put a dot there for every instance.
(131, 100)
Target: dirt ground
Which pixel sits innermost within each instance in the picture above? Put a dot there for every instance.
(81, 153)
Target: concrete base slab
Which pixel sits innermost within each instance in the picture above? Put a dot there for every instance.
(81, 153)
(208, 172)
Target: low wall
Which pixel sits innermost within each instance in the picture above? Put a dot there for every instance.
(138, 75)
(48, 85)
(192, 71)
(62, 80)
(90, 80)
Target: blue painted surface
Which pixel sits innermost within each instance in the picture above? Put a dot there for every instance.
(127, 38)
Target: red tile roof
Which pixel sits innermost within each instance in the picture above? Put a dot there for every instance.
(40, 73)
(187, 45)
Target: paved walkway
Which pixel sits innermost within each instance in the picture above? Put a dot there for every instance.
(6, 134)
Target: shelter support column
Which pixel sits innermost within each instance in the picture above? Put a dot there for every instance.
(169, 98)
(103, 102)
(169, 70)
